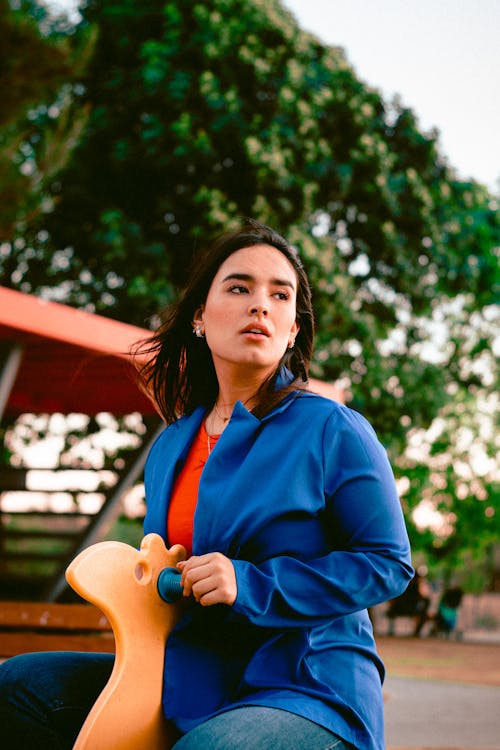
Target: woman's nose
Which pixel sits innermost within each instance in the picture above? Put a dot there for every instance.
(256, 309)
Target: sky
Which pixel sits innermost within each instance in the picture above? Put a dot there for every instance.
(442, 57)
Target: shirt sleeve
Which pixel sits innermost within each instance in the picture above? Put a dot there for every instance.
(371, 561)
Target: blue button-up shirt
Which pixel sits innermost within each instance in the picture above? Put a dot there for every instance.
(304, 503)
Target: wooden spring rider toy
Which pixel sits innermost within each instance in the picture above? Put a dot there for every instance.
(136, 589)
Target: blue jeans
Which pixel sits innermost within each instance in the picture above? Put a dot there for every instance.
(45, 698)
(259, 728)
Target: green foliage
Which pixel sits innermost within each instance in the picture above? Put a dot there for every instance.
(185, 116)
(33, 65)
(37, 131)
(452, 467)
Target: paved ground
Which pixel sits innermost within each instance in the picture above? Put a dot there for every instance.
(429, 714)
(441, 695)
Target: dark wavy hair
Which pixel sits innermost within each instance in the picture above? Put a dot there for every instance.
(176, 368)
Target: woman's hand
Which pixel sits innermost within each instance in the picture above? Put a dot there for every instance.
(210, 579)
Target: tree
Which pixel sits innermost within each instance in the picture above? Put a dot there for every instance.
(192, 117)
(200, 112)
(36, 136)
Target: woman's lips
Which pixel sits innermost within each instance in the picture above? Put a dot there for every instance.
(256, 330)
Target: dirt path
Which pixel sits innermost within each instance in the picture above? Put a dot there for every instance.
(434, 659)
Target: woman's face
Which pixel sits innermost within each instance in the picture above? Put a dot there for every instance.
(250, 310)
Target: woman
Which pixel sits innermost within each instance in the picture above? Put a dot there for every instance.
(287, 507)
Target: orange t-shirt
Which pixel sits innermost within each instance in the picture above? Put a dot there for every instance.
(185, 493)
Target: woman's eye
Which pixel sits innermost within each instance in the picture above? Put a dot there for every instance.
(282, 295)
(238, 289)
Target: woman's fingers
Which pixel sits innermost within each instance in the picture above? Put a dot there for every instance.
(210, 579)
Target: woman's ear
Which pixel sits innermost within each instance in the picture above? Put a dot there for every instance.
(198, 324)
(293, 334)
(198, 316)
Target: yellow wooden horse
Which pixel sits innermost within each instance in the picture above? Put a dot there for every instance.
(122, 581)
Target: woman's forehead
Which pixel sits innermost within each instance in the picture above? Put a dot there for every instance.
(259, 261)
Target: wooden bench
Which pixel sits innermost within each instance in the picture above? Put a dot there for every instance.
(43, 626)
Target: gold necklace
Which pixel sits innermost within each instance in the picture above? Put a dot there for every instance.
(224, 419)
(209, 434)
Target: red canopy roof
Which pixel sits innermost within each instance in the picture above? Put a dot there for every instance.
(72, 361)
(75, 361)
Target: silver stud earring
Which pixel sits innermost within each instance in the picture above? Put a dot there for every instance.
(291, 344)
(198, 331)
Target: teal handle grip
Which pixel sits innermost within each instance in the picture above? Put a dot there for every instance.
(169, 585)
